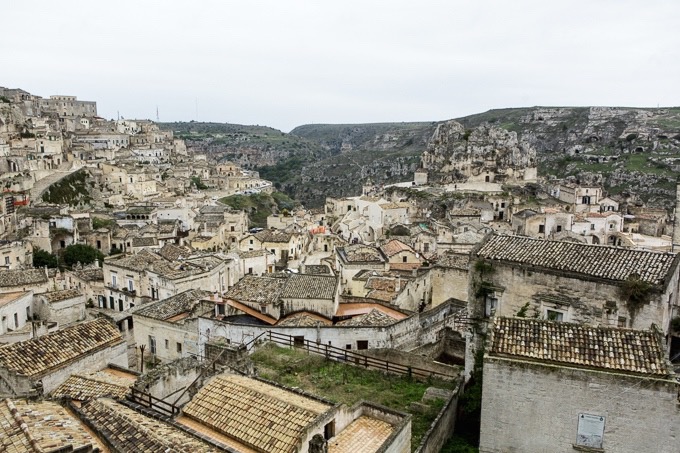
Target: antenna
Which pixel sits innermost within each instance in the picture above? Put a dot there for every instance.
(118, 112)
(157, 114)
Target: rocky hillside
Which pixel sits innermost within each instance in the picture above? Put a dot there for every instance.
(625, 149)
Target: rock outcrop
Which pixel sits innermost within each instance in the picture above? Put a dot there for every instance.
(486, 153)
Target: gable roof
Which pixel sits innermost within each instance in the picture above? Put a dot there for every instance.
(394, 246)
(307, 286)
(601, 261)
(623, 350)
(22, 277)
(263, 290)
(39, 355)
(172, 306)
(41, 426)
(260, 415)
(130, 431)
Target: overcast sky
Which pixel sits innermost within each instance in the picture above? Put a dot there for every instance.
(286, 63)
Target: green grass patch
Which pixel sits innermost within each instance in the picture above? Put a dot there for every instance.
(348, 384)
(259, 206)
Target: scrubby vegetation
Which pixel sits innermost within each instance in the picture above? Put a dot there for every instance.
(260, 205)
(71, 190)
(349, 384)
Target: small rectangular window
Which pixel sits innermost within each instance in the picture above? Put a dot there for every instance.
(152, 345)
(553, 315)
(179, 348)
(167, 344)
(541, 228)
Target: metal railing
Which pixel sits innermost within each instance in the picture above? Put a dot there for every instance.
(354, 358)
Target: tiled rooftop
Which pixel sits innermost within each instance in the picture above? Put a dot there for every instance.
(304, 319)
(394, 246)
(173, 252)
(305, 286)
(144, 242)
(38, 355)
(89, 275)
(317, 269)
(361, 253)
(453, 260)
(273, 236)
(22, 277)
(607, 262)
(83, 388)
(263, 416)
(132, 432)
(365, 435)
(263, 290)
(28, 426)
(372, 318)
(56, 296)
(172, 306)
(622, 350)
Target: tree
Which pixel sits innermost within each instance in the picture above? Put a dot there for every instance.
(42, 258)
(83, 254)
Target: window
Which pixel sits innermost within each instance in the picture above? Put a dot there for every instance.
(111, 302)
(491, 306)
(167, 343)
(559, 228)
(403, 259)
(114, 280)
(179, 348)
(7, 260)
(592, 226)
(233, 240)
(250, 270)
(348, 346)
(541, 228)
(233, 228)
(362, 344)
(131, 284)
(120, 304)
(16, 320)
(152, 345)
(553, 315)
(622, 322)
(99, 245)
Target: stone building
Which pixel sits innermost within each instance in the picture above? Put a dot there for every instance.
(573, 282)
(289, 421)
(42, 364)
(168, 327)
(563, 387)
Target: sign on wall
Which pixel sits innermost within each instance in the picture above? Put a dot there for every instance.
(590, 431)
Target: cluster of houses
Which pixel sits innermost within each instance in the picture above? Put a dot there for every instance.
(568, 300)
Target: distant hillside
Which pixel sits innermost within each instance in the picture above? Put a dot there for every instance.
(622, 148)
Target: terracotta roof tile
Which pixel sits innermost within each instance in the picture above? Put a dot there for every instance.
(612, 263)
(83, 388)
(28, 426)
(133, 432)
(57, 296)
(260, 415)
(579, 345)
(305, 286)
(394, 246)
(38, 355)
(172, 306)
(263, 290)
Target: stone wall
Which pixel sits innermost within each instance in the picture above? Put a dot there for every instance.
(582, 300)
(442, 427)
(532, 407)
(407, 334)
(447, 283)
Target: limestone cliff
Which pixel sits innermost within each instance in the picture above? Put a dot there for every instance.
(485, 153)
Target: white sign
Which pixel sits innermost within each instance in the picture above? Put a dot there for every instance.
(590, 430)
